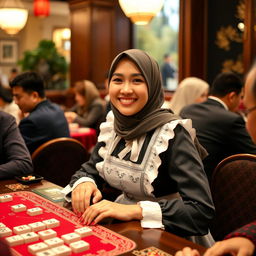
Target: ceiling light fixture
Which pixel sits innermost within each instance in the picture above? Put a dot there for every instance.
(141, 12)
(13, 16)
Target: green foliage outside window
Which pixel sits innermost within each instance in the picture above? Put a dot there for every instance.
(159, 36)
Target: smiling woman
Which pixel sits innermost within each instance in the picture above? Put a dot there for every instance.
(146, 152)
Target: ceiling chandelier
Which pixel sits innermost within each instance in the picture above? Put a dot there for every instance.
(13, 16)
(141, 12)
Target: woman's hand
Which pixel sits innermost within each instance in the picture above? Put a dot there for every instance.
(70, 116)
(83, 194)
(103, 209)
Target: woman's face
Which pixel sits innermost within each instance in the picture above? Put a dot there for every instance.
(79, 99)
(128, 90)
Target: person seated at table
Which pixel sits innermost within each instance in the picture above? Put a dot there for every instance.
(241, 242)
(7, 104)
(190, 90)
(15, 159)
(219, 128)
(149, 154)
(89, 110)
(43, 120)
(250, 102)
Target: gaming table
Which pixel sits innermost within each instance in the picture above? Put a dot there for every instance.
(143, 238)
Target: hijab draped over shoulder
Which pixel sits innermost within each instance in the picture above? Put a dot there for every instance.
(152, 115)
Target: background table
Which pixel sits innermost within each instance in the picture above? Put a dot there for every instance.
(87, 136)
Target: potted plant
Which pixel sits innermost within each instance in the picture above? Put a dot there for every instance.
(48, 63)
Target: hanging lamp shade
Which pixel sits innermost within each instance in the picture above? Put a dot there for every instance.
(41, 8)
(13, 16)
(141, 11)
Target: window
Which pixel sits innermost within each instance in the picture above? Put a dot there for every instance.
(160, 37)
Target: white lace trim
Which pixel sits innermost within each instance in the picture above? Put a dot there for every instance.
(160, 145)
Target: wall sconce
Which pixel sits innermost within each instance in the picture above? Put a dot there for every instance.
(13, 16)
(141, 11)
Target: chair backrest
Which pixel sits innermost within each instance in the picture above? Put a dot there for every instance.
(233, 189)
(58, 159)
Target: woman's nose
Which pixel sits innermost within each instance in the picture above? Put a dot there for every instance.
(126, 87)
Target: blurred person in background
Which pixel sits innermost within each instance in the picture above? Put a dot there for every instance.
(168, 70)
(250, 102)
(15, 159)
(89, 110)
(7, 104)
(190, 90)
(219, 128)
(42, 120)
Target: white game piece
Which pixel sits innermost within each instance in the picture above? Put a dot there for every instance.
(2, 225)
(5, 232)
(51, 223)
(5, 198)
(34, 211)
(21, 229)
(30, 237)
(38, 247)
(84, 231)
(54, 242)
(14, 240)
(62, 250)
(79, 246)
(47, 234)
(70, 237)
(19, 208)
(37, 226)
(46, 253)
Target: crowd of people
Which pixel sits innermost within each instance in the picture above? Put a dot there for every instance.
(160, 156)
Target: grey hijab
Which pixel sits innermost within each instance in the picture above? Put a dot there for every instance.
(152, 115)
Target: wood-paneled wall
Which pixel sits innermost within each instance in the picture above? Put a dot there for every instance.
(100, 30)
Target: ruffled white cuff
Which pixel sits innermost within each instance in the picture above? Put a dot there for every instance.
(65, 191)
(152, 215)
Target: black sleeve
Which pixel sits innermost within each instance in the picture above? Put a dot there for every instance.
(16, 154)
(190, 214)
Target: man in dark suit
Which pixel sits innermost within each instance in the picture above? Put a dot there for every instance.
(219, 129)
(43, 120)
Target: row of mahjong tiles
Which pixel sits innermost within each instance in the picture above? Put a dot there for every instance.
(51, 245)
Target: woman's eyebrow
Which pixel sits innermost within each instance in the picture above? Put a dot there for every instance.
(120, 74)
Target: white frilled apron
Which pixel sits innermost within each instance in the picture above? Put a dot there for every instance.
(135, 179)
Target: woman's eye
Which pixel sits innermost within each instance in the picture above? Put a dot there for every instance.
(117, 80)
(138, 80)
